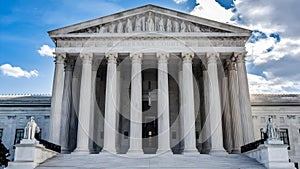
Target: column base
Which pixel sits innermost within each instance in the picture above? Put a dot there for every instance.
(191, 152)
(81, 151)
(108, 151)
(65, 151)
(236, 151)
(135, 152)
(218, 152)
(164, 152)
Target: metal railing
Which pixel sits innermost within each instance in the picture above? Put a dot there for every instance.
(48, 145)
(255, 144)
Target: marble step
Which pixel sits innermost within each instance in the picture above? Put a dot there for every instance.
(99, 161)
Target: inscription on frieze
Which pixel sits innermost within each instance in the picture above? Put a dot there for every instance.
(159, 42)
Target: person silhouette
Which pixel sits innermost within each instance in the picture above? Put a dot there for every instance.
(4, 153)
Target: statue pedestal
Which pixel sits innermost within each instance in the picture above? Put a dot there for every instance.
(275, 156)
(28, 141)
(29, 154)
(276, 142)
(272, 154)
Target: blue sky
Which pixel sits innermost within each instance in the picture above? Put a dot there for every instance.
(24, 26)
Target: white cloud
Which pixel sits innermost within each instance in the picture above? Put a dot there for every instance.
(46, 50)
(285, 48)
(180, 1)
(17, 72)
(210, 9)
(259, 84)
(274, 62)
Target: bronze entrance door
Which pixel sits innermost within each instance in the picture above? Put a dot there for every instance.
(150, 135)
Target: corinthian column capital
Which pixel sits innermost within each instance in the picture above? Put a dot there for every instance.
(212, 57)
(60, 57)
(111, 57)
(69, 64)
(86, 58)
(162, 57)
(240, 56)
(136, 57)
(187, 57)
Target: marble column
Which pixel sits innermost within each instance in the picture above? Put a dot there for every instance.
(215, 112)
(227, 120)
(163, 104)
(94, 106)
(235, 107)
(180, 127)
(136, 117)
(188, 104)
(245, 105)
(75, 104)
(206, 140)
(110, 118)
(66, 106)
(56, 101)
(83, 133)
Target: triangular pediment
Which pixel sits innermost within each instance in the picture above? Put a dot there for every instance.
(148, 18)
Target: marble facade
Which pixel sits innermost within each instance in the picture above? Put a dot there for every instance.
(15, 110)
(150, 80)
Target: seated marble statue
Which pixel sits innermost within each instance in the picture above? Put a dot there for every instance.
(272, 131)
(30, 129)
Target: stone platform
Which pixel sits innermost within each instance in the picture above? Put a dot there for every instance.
(101, 161)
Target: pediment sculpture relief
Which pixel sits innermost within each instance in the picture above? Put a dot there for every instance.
(148, 22)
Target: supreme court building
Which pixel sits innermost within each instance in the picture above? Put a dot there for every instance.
(150, 80)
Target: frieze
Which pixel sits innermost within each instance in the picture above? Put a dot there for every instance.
(151, 42)
(148, 22)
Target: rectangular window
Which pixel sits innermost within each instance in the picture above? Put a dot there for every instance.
(1, 133)
(19, 135)
(284, 136)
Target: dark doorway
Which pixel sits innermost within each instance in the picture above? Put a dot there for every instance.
(149, 135)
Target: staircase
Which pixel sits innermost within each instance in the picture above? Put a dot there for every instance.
(106, 160)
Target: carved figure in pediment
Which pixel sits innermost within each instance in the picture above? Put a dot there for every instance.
(138, 24)
(97, 29)
(161, 25)
(112, 28)
(143, 22)
(176, 26)
(196, 29)
(169, 25)
(128, 25)
(120, 27)
(102, 29)
(182, 27)
(150, 23)
(189, 29)
(89, 30)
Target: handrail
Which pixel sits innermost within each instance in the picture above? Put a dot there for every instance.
(49, 145)
(255, 144)
(252, 146)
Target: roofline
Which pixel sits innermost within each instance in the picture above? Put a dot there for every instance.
(148, 6)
